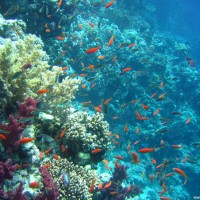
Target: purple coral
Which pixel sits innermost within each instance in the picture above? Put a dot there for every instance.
(7, 170)
(14, 195)
(50, 188)
(14, 130)
(27, 107)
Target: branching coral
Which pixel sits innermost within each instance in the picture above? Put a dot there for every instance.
(24, 70)
(73, 181)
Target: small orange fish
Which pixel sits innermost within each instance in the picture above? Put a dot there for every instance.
(145, 107)
(48, 30)
(135, 158)
(117, 165)
(107, 101)
(105, 161)
(63, 148)
(113, 193)
(40, 155)
(131, 45)
(126, 69)
(115, 117)
(137, 130)
(83, 75)
(153, 161)
(156, 112)
(164, 198)
(109, 4)
(153, 95)
(100, 186)
(34, 185)
(92, 50)
(162, 95)
(26, 140)
(91, 24)
(136, 142)
(83, 86)
(90, 66)
(126, 128)
(47, 151)
(138, 115)
(2, 137)
(98, 109)
(93, 85)
(100, 57)
(60, 3)
(56, 157)
(96, 151)
(43, 91)
(179, 171)
(188, 120)
(111, 41)
(113, 60)
(146, 150)
(60, 38)
(92, 186)
(176, 146)
(117, 136)
(119, 157)
(108, 185)
(62, 133)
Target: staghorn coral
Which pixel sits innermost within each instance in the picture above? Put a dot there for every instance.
(85, 133)
(73, 181)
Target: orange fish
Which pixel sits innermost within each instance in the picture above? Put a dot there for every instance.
(63, 148)
(92, 50)
(98, 109)
(176, 146)
(60, 38)
(138, 115)
(146, 150)
(26, 140)
(156, 112)
(34, 185)
(117, 165)
(188, 120)
(115, 117)
(131, 45)
(179, 171)
(119, 157)
(113, 60)
(137, 130)
(43, 91)
(47, 151)
(105, 161)
(109, 4)
(48, 30)
(126, 69)
(145, 107)
(83, 75)
(153, 95)
(164, 198)
(113, 193)
(117, 136)
(135, 158)
(92, 186)
(136, 142)
(60, 3)
(153, 161)
(111, 41)
(56, 157)
(83, 86)
(93, 85)
(100, 186)
(96, 151)
(91, 24)
(2, 137)
(128, 147)
(90, 66)
(108, 185)
(162, 95)
(62, 133)
(126, 128)
(107, 101)
(40, 155)
(100, 57)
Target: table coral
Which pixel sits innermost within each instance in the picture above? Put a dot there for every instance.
(78, 181)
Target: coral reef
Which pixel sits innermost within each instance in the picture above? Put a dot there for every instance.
(72, 180)
(7, 170)
(85, 133)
